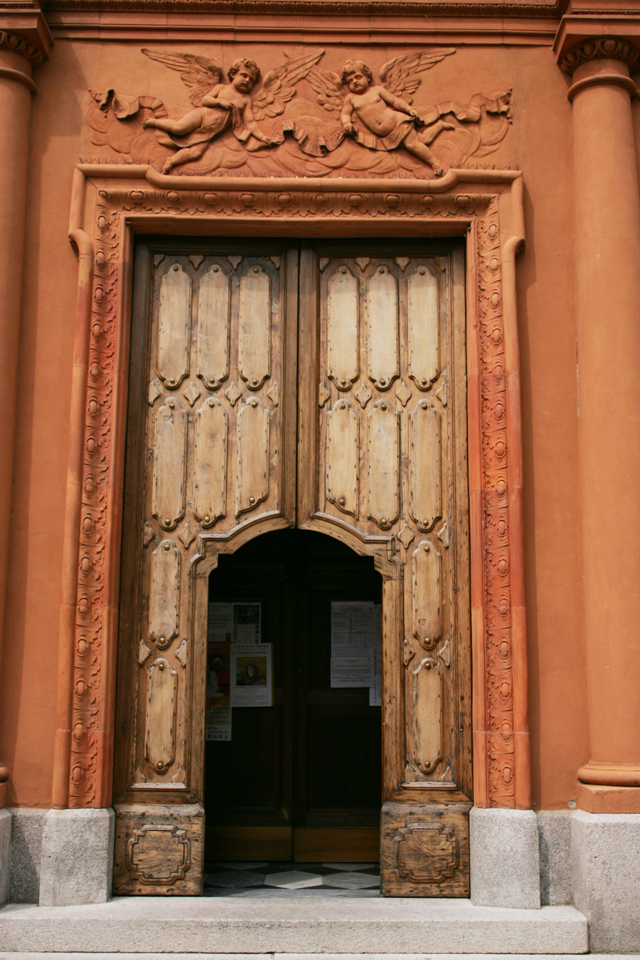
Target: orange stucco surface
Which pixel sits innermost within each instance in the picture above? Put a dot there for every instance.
(539, 142)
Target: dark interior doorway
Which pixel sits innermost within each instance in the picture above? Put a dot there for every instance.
(299, 779)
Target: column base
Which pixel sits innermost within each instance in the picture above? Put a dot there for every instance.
(605, 852)
(77, 857)
(5, 854)
(596, 798)
(505, 858)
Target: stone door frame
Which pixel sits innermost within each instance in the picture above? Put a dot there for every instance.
(113, 203)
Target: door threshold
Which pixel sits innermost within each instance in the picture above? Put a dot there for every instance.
(251, 879)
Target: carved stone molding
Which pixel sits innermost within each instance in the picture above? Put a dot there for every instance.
(364, 8)
(606, 48)
(483, 205)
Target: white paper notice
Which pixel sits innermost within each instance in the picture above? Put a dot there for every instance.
(251, 679)
(351, 671)
(352, 629)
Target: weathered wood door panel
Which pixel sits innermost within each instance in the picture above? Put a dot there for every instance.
(210, 405)
(382, 465)
(376, 409)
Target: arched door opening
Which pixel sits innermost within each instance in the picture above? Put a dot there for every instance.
(298, 773)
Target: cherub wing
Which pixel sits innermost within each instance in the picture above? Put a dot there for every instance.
(400, 75)
(329, 88)
(278, 85)
(199, 73)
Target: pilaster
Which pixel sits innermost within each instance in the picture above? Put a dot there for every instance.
(24, 43)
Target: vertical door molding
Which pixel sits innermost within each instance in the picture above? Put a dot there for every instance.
(109, 206)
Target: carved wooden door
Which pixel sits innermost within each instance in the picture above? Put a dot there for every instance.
(376, 407)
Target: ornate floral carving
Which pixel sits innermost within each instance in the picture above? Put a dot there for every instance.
(90, 712)
(18, 44)
(610, 48)
(345, 123)
(497, 585)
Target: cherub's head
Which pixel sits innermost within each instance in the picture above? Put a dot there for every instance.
(244, 74)
(357, 76)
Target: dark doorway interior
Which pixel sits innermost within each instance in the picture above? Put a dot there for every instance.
(301, 779)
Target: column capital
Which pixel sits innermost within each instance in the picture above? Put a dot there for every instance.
(24, 31)
(601, 48)
(585, 37)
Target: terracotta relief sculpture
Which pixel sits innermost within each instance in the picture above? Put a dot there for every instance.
(371, 128)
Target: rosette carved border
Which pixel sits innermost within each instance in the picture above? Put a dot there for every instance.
(110, 204)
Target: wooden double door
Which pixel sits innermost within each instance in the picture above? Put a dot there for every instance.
(290, 389)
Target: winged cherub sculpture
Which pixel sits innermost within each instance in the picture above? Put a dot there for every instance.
(383, 109)
(219, 106)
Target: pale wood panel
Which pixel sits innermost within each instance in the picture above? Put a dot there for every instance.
(343, 323)
(210, 462)
(161, 715)
(384, 457)
(173, 326)
(213, 327)
(382, 327)
(343, 457)
(169, 464)
(164, 593)
(424, 327)
(425, 503)
(253, 456)
(426, 571)
(254, 326)
(425, 734)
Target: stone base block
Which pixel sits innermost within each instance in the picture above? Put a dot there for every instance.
(26, 855)
(77, 857)
(554, 827)
(424, 849)
(605, 853)
(505, 858)
(159, 849)
(5, 854)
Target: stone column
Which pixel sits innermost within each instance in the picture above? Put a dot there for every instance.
(607, 219)
(24, 43)
(606, 828)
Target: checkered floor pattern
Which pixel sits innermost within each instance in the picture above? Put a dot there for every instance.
(262, 879)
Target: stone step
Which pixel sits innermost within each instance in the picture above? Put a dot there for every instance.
(235, 925)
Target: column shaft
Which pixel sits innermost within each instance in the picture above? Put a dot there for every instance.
(607, 204)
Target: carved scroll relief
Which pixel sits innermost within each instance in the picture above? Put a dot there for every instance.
(164, 593)
(427, 594)
(161, 715)
(174, 318)
(384, 454)
(254, 327)
(342, 328)
(426, 696)
(213, 327)
(423, 312)
(425, 470)
(382, 327)
(342, 456)
(169, 464)
(210, 462)
(253, 456)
